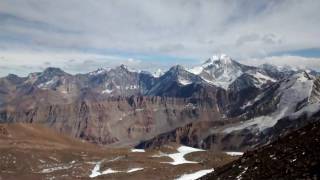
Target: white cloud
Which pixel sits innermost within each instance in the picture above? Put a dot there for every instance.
(244, 29)
(173, 27)
(285, 60)
(24, 62)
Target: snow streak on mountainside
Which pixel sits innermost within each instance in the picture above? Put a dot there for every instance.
(292, 95)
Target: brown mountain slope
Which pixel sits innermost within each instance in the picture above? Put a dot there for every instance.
(294, 156)
(36, 136)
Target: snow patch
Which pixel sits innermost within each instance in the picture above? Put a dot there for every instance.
(50, 170)
(107, 91)
(138, 150)
(96, 170)
(47, 84)
(195, 175)
(234, 153)
(178, 158)
(109, 171)
(134, 170)
(239, 177)
(184, 81)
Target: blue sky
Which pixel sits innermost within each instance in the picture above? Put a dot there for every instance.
(314, 52)
(80, 36)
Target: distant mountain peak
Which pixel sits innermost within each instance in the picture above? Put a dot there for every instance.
(99, 71)
(126, 68)
(221, 59)
(176, 69)
(157, 73)
(53, 71)
(219, 70)
(122, 66)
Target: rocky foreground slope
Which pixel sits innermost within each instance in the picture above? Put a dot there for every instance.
(295, 155)
(221, 104)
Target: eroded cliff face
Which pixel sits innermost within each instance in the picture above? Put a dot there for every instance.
(118, 121)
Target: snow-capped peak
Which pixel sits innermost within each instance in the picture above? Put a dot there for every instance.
(219, 70)
(218, 60)
(221, 58)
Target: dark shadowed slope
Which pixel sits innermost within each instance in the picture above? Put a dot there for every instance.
(294, 156)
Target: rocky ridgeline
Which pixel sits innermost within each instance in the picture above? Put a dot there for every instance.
(220, 104)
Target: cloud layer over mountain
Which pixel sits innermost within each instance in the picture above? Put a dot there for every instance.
(180, 31)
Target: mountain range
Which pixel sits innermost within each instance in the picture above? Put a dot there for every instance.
(220, 104)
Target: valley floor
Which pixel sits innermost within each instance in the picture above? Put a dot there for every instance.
(30, 151)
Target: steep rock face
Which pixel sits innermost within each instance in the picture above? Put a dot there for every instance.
(117, 121)
(189, 135)
(177, 82)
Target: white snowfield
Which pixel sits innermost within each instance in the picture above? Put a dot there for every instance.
(234, 153)
(178, 158)
(196, 175)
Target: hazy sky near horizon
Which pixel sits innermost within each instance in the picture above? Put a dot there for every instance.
(81, 36)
